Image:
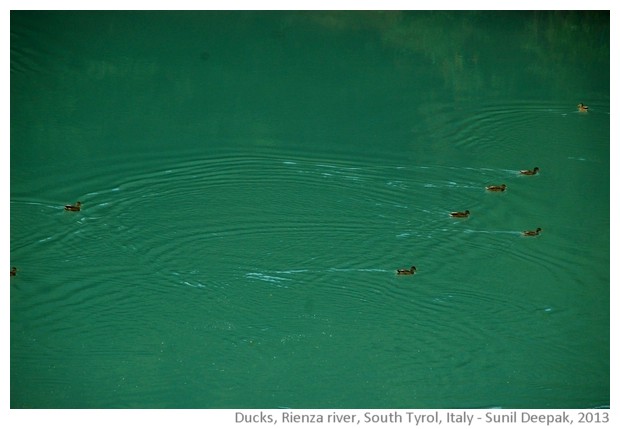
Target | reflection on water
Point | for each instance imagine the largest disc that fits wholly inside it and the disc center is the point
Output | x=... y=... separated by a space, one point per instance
x=251 y=181
x=480 y=52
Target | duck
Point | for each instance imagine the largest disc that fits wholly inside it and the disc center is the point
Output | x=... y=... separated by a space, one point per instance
x=405 y=271
x=13 y=271
x=460 y=214
x=73 y=207
x=532 y=233
x=582 y=107
x=497 y=188
x=530 y=172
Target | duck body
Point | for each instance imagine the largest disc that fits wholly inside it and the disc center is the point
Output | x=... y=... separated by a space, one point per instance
x=406 y=272
x=13 y=271
x=73 y=207
x=532 y=233
x=530 y=172
x=496 y=188
x=460 y=214
x=582 y=107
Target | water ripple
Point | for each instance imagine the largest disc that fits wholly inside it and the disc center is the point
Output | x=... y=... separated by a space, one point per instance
x=205 y=245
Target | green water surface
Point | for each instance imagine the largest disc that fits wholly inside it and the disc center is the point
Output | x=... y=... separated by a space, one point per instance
x=252 y=180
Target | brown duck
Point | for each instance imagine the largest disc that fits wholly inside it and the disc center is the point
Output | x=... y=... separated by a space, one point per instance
x=530 y=172
x=73 y=207
x=406 y=272
x=496 y=188
x=532 y=233
x=460 y=214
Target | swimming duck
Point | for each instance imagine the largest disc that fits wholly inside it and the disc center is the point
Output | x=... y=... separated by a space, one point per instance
x=460 y=214
x=13 y=271
x=532 y=233
x=496 y=188
x=405 y=271
x=530 y=172
x=582 y=107
x=73 y=208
